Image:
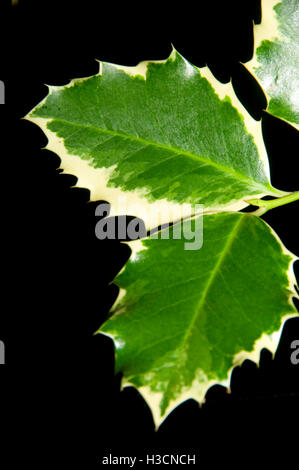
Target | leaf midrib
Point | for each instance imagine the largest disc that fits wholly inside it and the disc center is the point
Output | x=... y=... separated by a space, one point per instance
x=217 y=165
x=211 y=279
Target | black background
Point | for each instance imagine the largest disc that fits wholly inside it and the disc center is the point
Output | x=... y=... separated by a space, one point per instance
x=60 y=402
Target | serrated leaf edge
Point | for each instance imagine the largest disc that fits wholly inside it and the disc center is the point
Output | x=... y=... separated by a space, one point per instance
x=268 y=30
x=197 y=391
x=136 y=202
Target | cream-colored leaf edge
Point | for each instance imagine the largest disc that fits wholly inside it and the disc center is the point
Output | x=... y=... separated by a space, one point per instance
x=268 y=29
x=136 y=202
x=202 y=384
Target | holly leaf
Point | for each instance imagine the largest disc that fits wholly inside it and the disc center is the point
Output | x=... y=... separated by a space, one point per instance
x=185 y=318
x=276 y=57
x=161 y=135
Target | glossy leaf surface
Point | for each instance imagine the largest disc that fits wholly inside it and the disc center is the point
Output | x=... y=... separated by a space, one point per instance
x=161 y=134
x=275 y=63
x=184 y=318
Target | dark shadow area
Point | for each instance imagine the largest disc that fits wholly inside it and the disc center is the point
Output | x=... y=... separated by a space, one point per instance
x=60 y=398
x=249 y=92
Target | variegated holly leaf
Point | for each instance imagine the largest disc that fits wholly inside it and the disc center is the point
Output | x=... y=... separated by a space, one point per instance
x=162 y=136
x=275 y=62
x=185 y=318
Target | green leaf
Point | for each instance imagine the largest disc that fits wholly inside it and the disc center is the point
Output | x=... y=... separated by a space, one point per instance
x=276 y=58
x=185 y=318
x=162 y=134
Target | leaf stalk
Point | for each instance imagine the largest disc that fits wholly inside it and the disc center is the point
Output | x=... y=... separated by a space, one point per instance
x=265 y=206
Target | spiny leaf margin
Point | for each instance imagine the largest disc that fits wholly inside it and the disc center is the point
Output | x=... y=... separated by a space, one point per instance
x=107 y=178
x=276 y=57
x=133 y=314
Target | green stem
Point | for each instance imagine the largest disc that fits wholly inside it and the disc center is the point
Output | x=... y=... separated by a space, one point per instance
x=265 y=206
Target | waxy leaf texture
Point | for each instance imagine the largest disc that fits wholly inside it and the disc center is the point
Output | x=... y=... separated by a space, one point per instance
x=185 y=318
x=276 y=58
x=161 y=134
x=165 y=136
